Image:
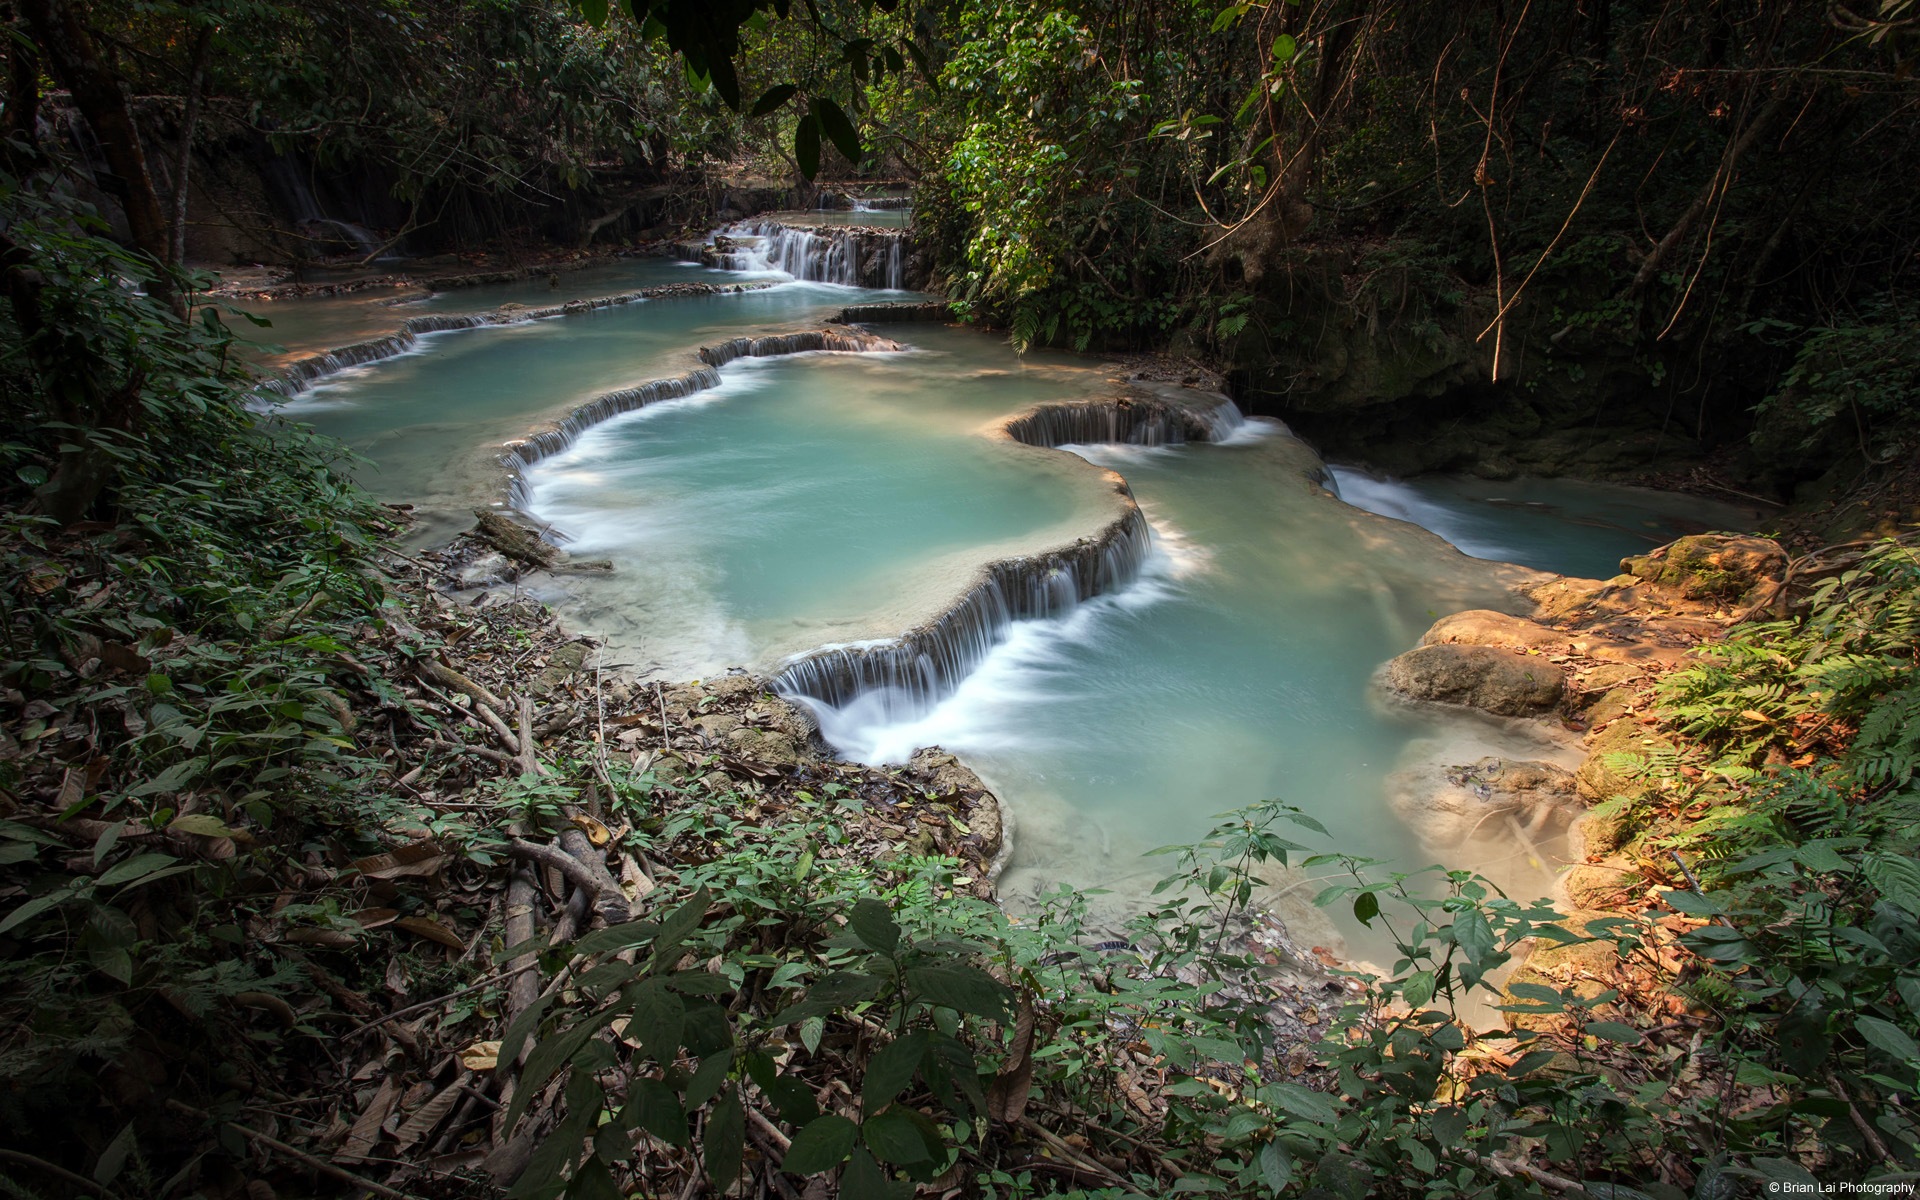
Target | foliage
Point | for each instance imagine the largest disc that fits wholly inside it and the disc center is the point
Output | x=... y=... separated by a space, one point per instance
x=172 y=689
x=1850 y=388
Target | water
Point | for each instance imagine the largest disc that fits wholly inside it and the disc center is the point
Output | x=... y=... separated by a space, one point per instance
x=308 y=325
x=841 y=499
x=431 y=422
x=1559 y=525
x=810 y=501
x=870 y=218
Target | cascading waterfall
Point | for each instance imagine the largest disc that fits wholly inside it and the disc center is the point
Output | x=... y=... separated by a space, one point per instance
x=905 y=677
x=545 y=443
x=848 y=255
x=896 y=264
x=881 y=203
x=909 y=674
x=819 y=256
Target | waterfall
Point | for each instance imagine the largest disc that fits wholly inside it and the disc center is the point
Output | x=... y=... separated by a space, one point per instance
x=911 y=673
x=906 y=676
x=820 y=256
x=897 y=264
x=881 y=203
x=547 y=442
x=848 y=255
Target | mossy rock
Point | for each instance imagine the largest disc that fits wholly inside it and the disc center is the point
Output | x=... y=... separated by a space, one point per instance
x=1615 y=703
x=562 y=665
x=1711 y=566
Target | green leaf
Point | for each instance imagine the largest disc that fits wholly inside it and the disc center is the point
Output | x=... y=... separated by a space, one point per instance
x=1276 y=1166
x=773 y=98
x=863 y=1180
x=839 y=130
x=1418 y=989
x=1284 y=48
x=806 y=145
x=726 y=1140
x=1683 y=900
x=873 y=924
x=895 y=1137
x=592 y=1181
x=1305 y=1103
x=652 y=1106
x=1898 y=878
x=889 y=1071
x=1366 y=906
x=615 y=938
x=35 y=907
x=1888 y=1037
x=823 y=1145
x=660 y=1018
x=595 y=11
x=1449 y=1126
x=133 y=868
x=964 y=989
x=1614 y=1031
x=707 y=1080
x=200 y=824
x=107 y=1168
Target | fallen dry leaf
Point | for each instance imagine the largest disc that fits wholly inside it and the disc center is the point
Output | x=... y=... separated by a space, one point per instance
x=432 y=930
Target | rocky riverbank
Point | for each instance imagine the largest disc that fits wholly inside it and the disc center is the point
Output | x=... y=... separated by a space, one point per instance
x=1584 y=664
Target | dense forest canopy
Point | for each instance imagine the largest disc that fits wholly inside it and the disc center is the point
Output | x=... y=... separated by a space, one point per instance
x=1611 y=238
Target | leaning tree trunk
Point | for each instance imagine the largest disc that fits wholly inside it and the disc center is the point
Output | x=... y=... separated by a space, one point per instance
x=183 y=157
x=101 y=96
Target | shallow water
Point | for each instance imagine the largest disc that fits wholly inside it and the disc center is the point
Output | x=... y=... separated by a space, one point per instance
x=432 y=421
x=875 y=218
x=309 y=325
x=818 y=499
x=1559 y=525
x=837 y=498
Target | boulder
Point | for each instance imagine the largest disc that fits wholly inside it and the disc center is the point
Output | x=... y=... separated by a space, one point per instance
x=1490 y=678
x=946 y=777
x=1711 y=566
x=1483 y=627
x=767 y=746
x=1446 y=805
x=1614 y=703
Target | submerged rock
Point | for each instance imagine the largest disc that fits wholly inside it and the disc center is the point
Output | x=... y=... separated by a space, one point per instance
x=1504 y=682
x=1447 y=805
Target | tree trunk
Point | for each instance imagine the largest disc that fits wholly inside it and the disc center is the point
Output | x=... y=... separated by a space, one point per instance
x=183 y=161
x=84 y=468
x=1728 y=162
x=101 y=96
x=22 y=118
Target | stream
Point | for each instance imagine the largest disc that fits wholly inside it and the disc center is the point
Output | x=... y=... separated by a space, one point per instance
x=840 y=499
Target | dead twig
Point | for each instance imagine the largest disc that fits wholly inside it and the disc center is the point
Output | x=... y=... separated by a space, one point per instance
x=276 y=1146
x=58 y=1172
